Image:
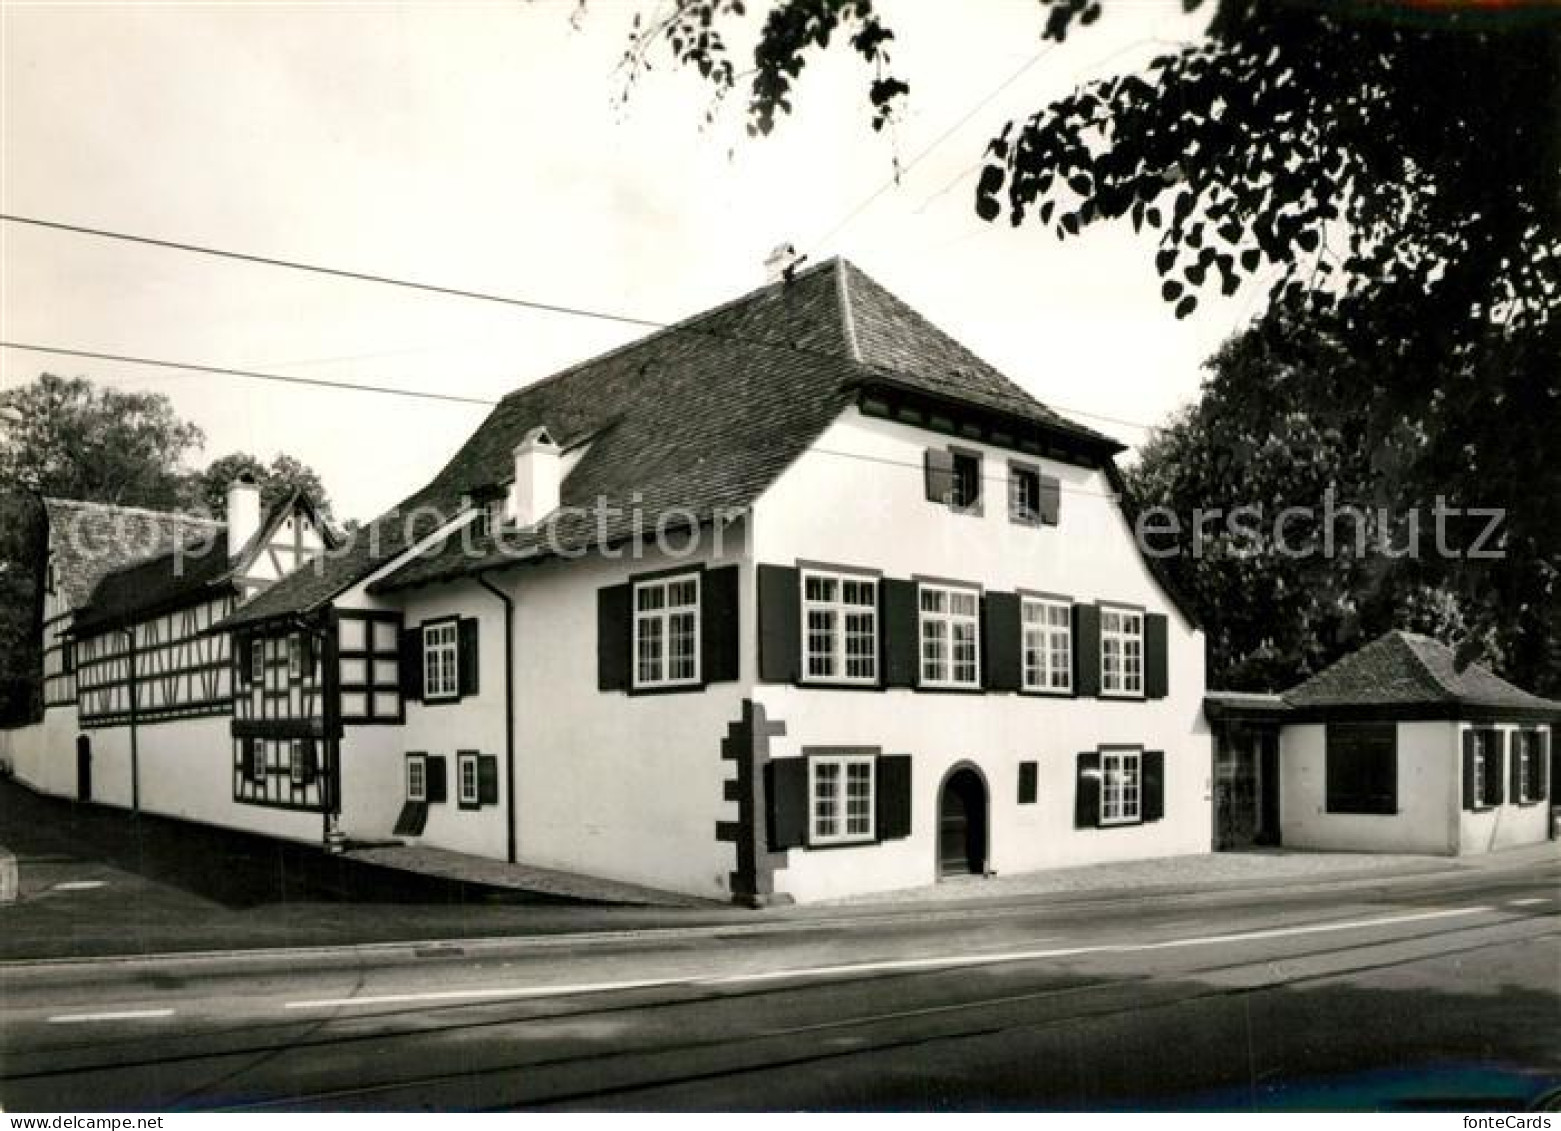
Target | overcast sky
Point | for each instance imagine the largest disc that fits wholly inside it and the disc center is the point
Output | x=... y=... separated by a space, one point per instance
x=481 y=146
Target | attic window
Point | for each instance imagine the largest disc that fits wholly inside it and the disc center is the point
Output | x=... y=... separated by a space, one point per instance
x=487 y=516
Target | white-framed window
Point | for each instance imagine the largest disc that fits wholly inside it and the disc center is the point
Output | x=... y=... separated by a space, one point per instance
x=666 y=631
x=1048 y=644
x=257 y=661
x=466 y=780
x=442 y=660
x=417 y=777
x=1121 y=651
x=841 y=802
x=950 y=636
x=1121 y=787
x=1483 y=745
x=840 y=627
x=295 y=657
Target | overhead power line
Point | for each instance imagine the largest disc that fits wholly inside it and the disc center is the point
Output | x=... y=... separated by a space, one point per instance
x=392 y=281
x=226 y=371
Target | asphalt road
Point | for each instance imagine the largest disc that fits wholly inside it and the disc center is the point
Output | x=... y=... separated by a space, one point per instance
x=1440 y=993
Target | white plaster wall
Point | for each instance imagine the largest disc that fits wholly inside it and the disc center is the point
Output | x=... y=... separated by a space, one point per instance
x=857 y=498
x=1507 y=825
x=43 y=755
x=607 y=783
x=1428 y=794
x=475 y=722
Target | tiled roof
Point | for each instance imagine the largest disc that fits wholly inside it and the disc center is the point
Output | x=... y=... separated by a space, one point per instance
x=1402 y=669
x=91 y=540
x=698 y=418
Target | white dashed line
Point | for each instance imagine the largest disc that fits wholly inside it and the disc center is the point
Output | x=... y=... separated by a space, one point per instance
x=120 y=1015
x=1529 y=902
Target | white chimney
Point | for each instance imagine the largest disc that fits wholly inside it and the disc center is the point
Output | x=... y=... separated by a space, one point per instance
x=243 y=512
x=781 y=262
x=539 y=476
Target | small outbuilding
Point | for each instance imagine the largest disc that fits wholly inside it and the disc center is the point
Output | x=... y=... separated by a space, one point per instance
x=1394 y=748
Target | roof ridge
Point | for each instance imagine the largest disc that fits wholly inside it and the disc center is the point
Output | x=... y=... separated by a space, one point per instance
x=847 y=310
x=1403 y=638
x=183 y=516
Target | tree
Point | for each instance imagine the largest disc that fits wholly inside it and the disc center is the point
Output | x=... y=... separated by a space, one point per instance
x=67 y=437
x=1332 y=149
x=208 y=489
x=1284 y=592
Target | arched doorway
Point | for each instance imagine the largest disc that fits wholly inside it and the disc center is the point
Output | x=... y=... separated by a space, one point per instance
x=962 y=812
x=83 y=768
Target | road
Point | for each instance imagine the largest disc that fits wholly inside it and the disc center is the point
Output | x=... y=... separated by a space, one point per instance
x=1439 y=992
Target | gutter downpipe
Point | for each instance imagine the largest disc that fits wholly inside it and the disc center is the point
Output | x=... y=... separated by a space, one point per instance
x=135 y=753
x=509 y=710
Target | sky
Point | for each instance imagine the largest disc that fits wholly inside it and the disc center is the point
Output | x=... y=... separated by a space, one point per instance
x=486 y=147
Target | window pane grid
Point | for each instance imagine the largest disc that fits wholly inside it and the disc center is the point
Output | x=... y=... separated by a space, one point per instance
x=840 y=618
x=1120 y=787
x=440 y=678
x=1048 y=645
x=1121 y=652
x=666 y=632
x=950 y=637
x=842 y=798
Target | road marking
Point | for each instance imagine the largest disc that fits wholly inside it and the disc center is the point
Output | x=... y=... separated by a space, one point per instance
x=902 y=964
x=118 y=1015
x=500 y=993
x=1529 y=902
x=77 y=885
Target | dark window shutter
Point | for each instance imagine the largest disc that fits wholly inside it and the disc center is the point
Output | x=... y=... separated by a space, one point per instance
x=411 y=663
x=1543 y=773
x=246 y=654
x=487 y=779
x=311 y=757
x=1001 y=641
x=786 y=794
x=1153 y=801
x=938 y=465
x=614 y=631
x=1469 y=753
x=1086 y=797
x=1515 y=739
x=438 y=787
x=1028 y=783
x=1086 y=650
x=1157 y=673
x=1051 y=500
x=1495 y=769
x=248 y=757
x=899 y=632
x=467 y=668
x=780 y=624
x=718 y=625
x=893 y=797
x=306 y=653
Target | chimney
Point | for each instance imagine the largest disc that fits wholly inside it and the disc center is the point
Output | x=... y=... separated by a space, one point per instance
x=781 y=263
x=539 y=476
x=243 y=511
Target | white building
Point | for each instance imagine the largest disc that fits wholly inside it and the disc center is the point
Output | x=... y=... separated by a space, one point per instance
x=795 y=599
x=1394 y=748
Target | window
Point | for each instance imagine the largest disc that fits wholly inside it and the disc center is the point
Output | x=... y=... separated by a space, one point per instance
x=1121 y=651
x=1048 y=644
x=1024 y=494
x=950 y=632
x=965 y=492
x=666 y=632
x=255 y=759
x=1121 y=787
x=417 y=777
x=468 y=790
x=841 y=791
x=295 y=762
x=486 y=516
x=441 y=660
x=840 y=627
x=1361 y=772
x=295 y=657
x=1029 y=787
x=257 y=662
